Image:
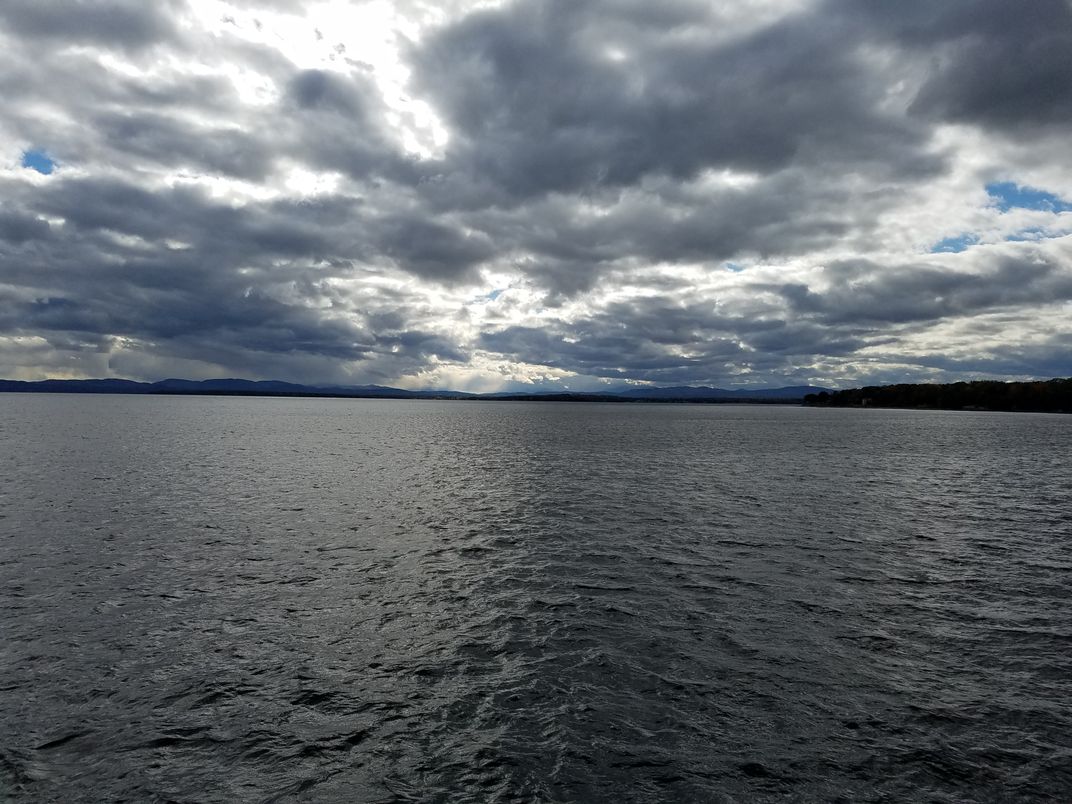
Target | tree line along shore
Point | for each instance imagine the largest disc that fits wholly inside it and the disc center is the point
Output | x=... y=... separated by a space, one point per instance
x=1042 y=396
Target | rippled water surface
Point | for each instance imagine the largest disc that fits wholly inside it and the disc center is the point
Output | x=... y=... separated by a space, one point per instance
x=230 y=600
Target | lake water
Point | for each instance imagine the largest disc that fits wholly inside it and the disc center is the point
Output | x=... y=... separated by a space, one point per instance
x=231 y=600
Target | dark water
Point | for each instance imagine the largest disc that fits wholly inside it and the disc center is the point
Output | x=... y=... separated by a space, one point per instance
x=231 y=600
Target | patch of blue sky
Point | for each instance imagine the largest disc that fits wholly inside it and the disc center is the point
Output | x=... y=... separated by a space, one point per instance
x=954 y=245
x=36 y=159
x=1008 y=195
x=493 y=295
x=732 y=266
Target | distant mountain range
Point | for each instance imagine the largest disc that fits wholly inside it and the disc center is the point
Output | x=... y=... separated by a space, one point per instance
x=237 y=387
x=793 y=392
x=230 y=387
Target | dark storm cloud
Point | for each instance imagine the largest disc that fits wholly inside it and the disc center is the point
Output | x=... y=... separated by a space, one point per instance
x=320 y=90
x=1049 y=358
x=600 y=353
x=865 y=293
x=17 y=227
x=544 y=120
x=1031 y=87
x=78 y=83
x=96 y=207
x=87 y=115
x=129 y=24
x=649 y=339
x=418 y=346
x=338 y=122
x=776 y=216
x=217 y=151
x=245 y=283
x=854 y=305
x=431 y=249
x=173 y=296
x=569 y=248
x=540 y=105
x=995 y=63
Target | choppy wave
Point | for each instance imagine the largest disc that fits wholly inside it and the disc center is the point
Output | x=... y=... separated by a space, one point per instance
x=326 y=600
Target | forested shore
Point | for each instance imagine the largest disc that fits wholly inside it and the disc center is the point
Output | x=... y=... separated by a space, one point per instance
x=1048 y=396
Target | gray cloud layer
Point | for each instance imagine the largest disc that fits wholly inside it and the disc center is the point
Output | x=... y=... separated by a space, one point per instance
x=552 y=192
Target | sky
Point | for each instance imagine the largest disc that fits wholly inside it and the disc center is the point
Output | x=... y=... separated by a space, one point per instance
x=529 y=195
